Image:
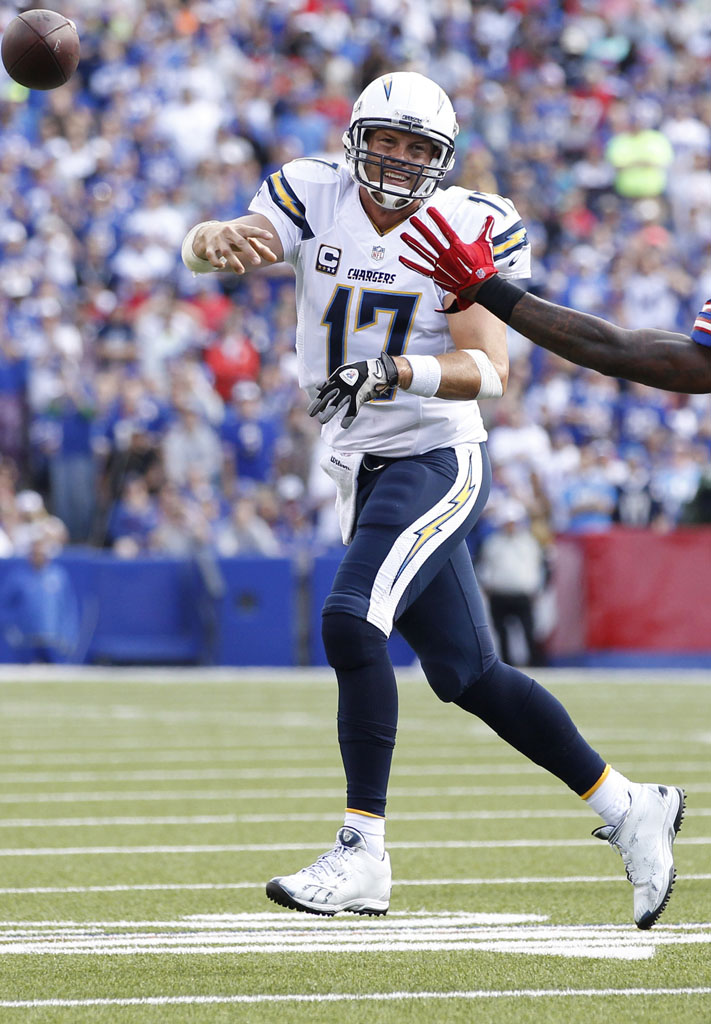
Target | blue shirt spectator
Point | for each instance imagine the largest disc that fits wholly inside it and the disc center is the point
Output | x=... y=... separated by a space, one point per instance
x=250 y=436
x=39 y=608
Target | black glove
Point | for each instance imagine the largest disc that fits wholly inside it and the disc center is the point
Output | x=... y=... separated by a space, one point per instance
x=351 y=385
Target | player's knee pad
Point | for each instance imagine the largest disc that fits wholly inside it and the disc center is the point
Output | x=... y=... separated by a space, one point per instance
x=351 y=642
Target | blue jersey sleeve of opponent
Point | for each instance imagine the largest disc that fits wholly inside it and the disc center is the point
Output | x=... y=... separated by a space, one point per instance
x=701 y=332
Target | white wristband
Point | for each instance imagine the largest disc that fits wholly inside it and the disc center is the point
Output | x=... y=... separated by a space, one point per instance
x=491 y=386
x=191 y=261
x=426 y=376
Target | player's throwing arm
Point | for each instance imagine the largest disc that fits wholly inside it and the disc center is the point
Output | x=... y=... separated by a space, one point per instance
x=240 y=245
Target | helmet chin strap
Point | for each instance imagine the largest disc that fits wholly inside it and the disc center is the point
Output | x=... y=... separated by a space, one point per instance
x=390 y=202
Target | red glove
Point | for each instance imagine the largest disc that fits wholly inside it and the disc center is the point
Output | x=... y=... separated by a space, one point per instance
x=456 y=266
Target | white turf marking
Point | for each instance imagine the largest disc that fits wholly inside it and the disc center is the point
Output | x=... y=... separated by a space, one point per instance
x=261 y=774
x=333 y=997
x=474 y=743
x=43 y=719
x=279 y=934
x=278 y=921
x=455 y=844
x=422 y=882
x=273 y=819
x=155 y=756
x=19 y=754
x=201 y=795
x=281 y=774
x=135 y=796
x=260 y=819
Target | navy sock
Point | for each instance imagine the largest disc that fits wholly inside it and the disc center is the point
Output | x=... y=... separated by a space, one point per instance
x=533 y=721
x=367 y=707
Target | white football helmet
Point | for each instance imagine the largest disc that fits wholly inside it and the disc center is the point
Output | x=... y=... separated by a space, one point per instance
x=405 y=101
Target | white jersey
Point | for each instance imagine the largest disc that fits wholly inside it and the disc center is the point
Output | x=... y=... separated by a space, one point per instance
x=354 y=298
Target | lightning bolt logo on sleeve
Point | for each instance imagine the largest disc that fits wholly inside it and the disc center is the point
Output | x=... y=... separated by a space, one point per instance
x=510 y=241
x=286 y=199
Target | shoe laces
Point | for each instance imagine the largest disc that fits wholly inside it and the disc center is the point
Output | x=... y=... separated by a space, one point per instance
x=627 y=860
x=608 y=833
x=329 y=864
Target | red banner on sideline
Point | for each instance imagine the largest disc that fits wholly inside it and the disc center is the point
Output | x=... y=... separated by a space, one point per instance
x=636 y=589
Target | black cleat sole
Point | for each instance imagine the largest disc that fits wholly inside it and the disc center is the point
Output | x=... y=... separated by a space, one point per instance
x=278 y=895
x=680 y=813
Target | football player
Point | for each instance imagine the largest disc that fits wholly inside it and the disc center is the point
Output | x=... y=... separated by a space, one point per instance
x=395 y=385
x=661 y=359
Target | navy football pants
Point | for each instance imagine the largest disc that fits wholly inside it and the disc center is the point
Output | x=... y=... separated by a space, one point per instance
x=408 y=565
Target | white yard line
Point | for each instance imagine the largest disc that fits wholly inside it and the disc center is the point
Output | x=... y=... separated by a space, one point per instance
x=335 y=793
x=397 y=920
x=278 y=819
x=152 y=755
x=135 y=796
x=279 y=934
x=455 y=844
x=278 y=921
x=291 y=772
x=18 y=756
x=266 y=819
x=120 y=749
x=263 y=774
x=360 y=997
x=60 y=890
x=42 y=717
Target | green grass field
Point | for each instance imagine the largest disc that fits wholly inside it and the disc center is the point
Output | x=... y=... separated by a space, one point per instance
x=142 y=813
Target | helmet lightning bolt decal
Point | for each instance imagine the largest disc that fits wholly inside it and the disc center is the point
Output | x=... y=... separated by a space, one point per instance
x=387 y=85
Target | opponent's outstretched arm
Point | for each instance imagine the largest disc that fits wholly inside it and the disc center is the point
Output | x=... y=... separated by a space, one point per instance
x=662 y=359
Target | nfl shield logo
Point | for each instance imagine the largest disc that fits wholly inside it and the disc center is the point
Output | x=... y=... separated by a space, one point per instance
x=378 y=253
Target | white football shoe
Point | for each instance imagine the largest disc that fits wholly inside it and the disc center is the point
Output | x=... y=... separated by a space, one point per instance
x=345 y=878
x=645 y=838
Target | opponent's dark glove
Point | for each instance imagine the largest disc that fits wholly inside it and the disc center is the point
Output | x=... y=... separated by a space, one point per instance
x=456 y=266
x=351 y=385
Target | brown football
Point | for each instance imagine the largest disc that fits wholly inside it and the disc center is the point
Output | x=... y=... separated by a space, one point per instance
x=40 y=49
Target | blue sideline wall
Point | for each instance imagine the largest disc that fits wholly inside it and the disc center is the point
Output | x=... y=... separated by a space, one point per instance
x=165 y=611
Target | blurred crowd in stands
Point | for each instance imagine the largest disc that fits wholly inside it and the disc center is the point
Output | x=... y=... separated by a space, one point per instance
x=148 y=410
